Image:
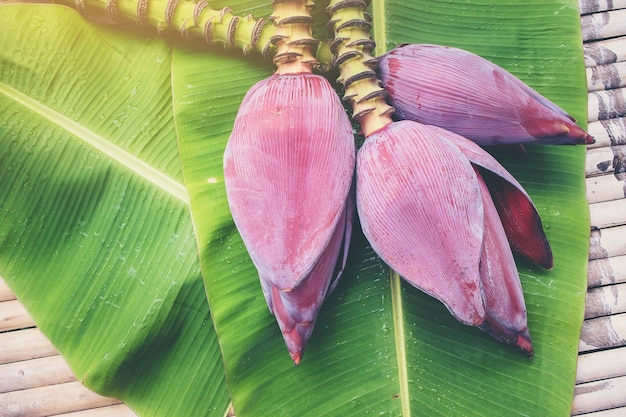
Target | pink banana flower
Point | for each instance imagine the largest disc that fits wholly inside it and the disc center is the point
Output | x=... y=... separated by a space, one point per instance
x=469 y=95
x=419 y=206
x=288 y=168
x=512 y=224
x=426 y=210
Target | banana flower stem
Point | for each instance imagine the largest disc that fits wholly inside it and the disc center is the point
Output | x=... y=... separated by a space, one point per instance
x=294 y=41
x=195 y=21
x=352 y=47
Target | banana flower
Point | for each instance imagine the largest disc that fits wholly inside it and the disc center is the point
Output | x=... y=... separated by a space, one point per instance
x=426 y=210
x=288 y=169
x=469 y=95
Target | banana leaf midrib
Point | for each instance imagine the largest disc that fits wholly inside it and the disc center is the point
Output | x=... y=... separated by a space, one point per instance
x=379 y=35
x=101 y=144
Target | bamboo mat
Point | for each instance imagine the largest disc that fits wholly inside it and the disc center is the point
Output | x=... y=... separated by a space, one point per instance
x=601 y=378
x=35 y=381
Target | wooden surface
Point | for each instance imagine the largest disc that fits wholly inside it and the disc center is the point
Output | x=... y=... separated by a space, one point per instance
x=601 y=377
x=35 y=381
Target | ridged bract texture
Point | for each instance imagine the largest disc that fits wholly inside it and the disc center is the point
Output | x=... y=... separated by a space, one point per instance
x=419 y=203
x=504 y=300
x=518 y=214
x=288 y=167
x=469 y=95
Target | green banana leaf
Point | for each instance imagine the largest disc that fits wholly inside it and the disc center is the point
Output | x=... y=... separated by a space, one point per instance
x=380 y=346
x=95 y=233
x=97 y=240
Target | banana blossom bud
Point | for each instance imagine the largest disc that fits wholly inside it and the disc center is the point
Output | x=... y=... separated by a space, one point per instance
x=288 y=168
x=469 y=95
x=418 y=206
x=512 y=224
x=426 y=210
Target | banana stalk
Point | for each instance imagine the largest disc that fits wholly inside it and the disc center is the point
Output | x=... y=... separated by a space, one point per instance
x=352 y=48
x=192 y=20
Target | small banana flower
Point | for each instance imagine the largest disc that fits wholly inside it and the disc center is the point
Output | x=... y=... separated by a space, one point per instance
x=469 y=95
x=288 y=168
x=512 y=224
x=423 y=201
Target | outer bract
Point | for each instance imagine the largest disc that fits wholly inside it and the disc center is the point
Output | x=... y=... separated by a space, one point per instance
x=466 y=94
x=504 y=300
x=419 y=203
x=288 y=168
x=296 y=310
x=518 y=214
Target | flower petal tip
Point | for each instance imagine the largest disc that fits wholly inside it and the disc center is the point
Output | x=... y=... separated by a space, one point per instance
x=524 y=343
x=296 y=358
x=520 y=338
x=295 y=345
x=548 y=261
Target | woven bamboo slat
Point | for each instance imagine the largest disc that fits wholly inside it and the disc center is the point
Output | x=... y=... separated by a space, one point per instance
x=614 y=412
x=118 y=410
x=606 y=104
x=607 y=214
x=13 y=315
x=34 y=373
x=50 y=400
x=35 y=381
x=603 y=333
x=605 y=51
x=610 y=132
x=601 y=365
x=23 y=345
x=603 y=25
x=5 y=292
x=596 y=395
x=595 y=6
x=599 y=161
x=607 y=243
x=605 y=301
x=606 y=271
x=608 y=76
x=604 y=188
